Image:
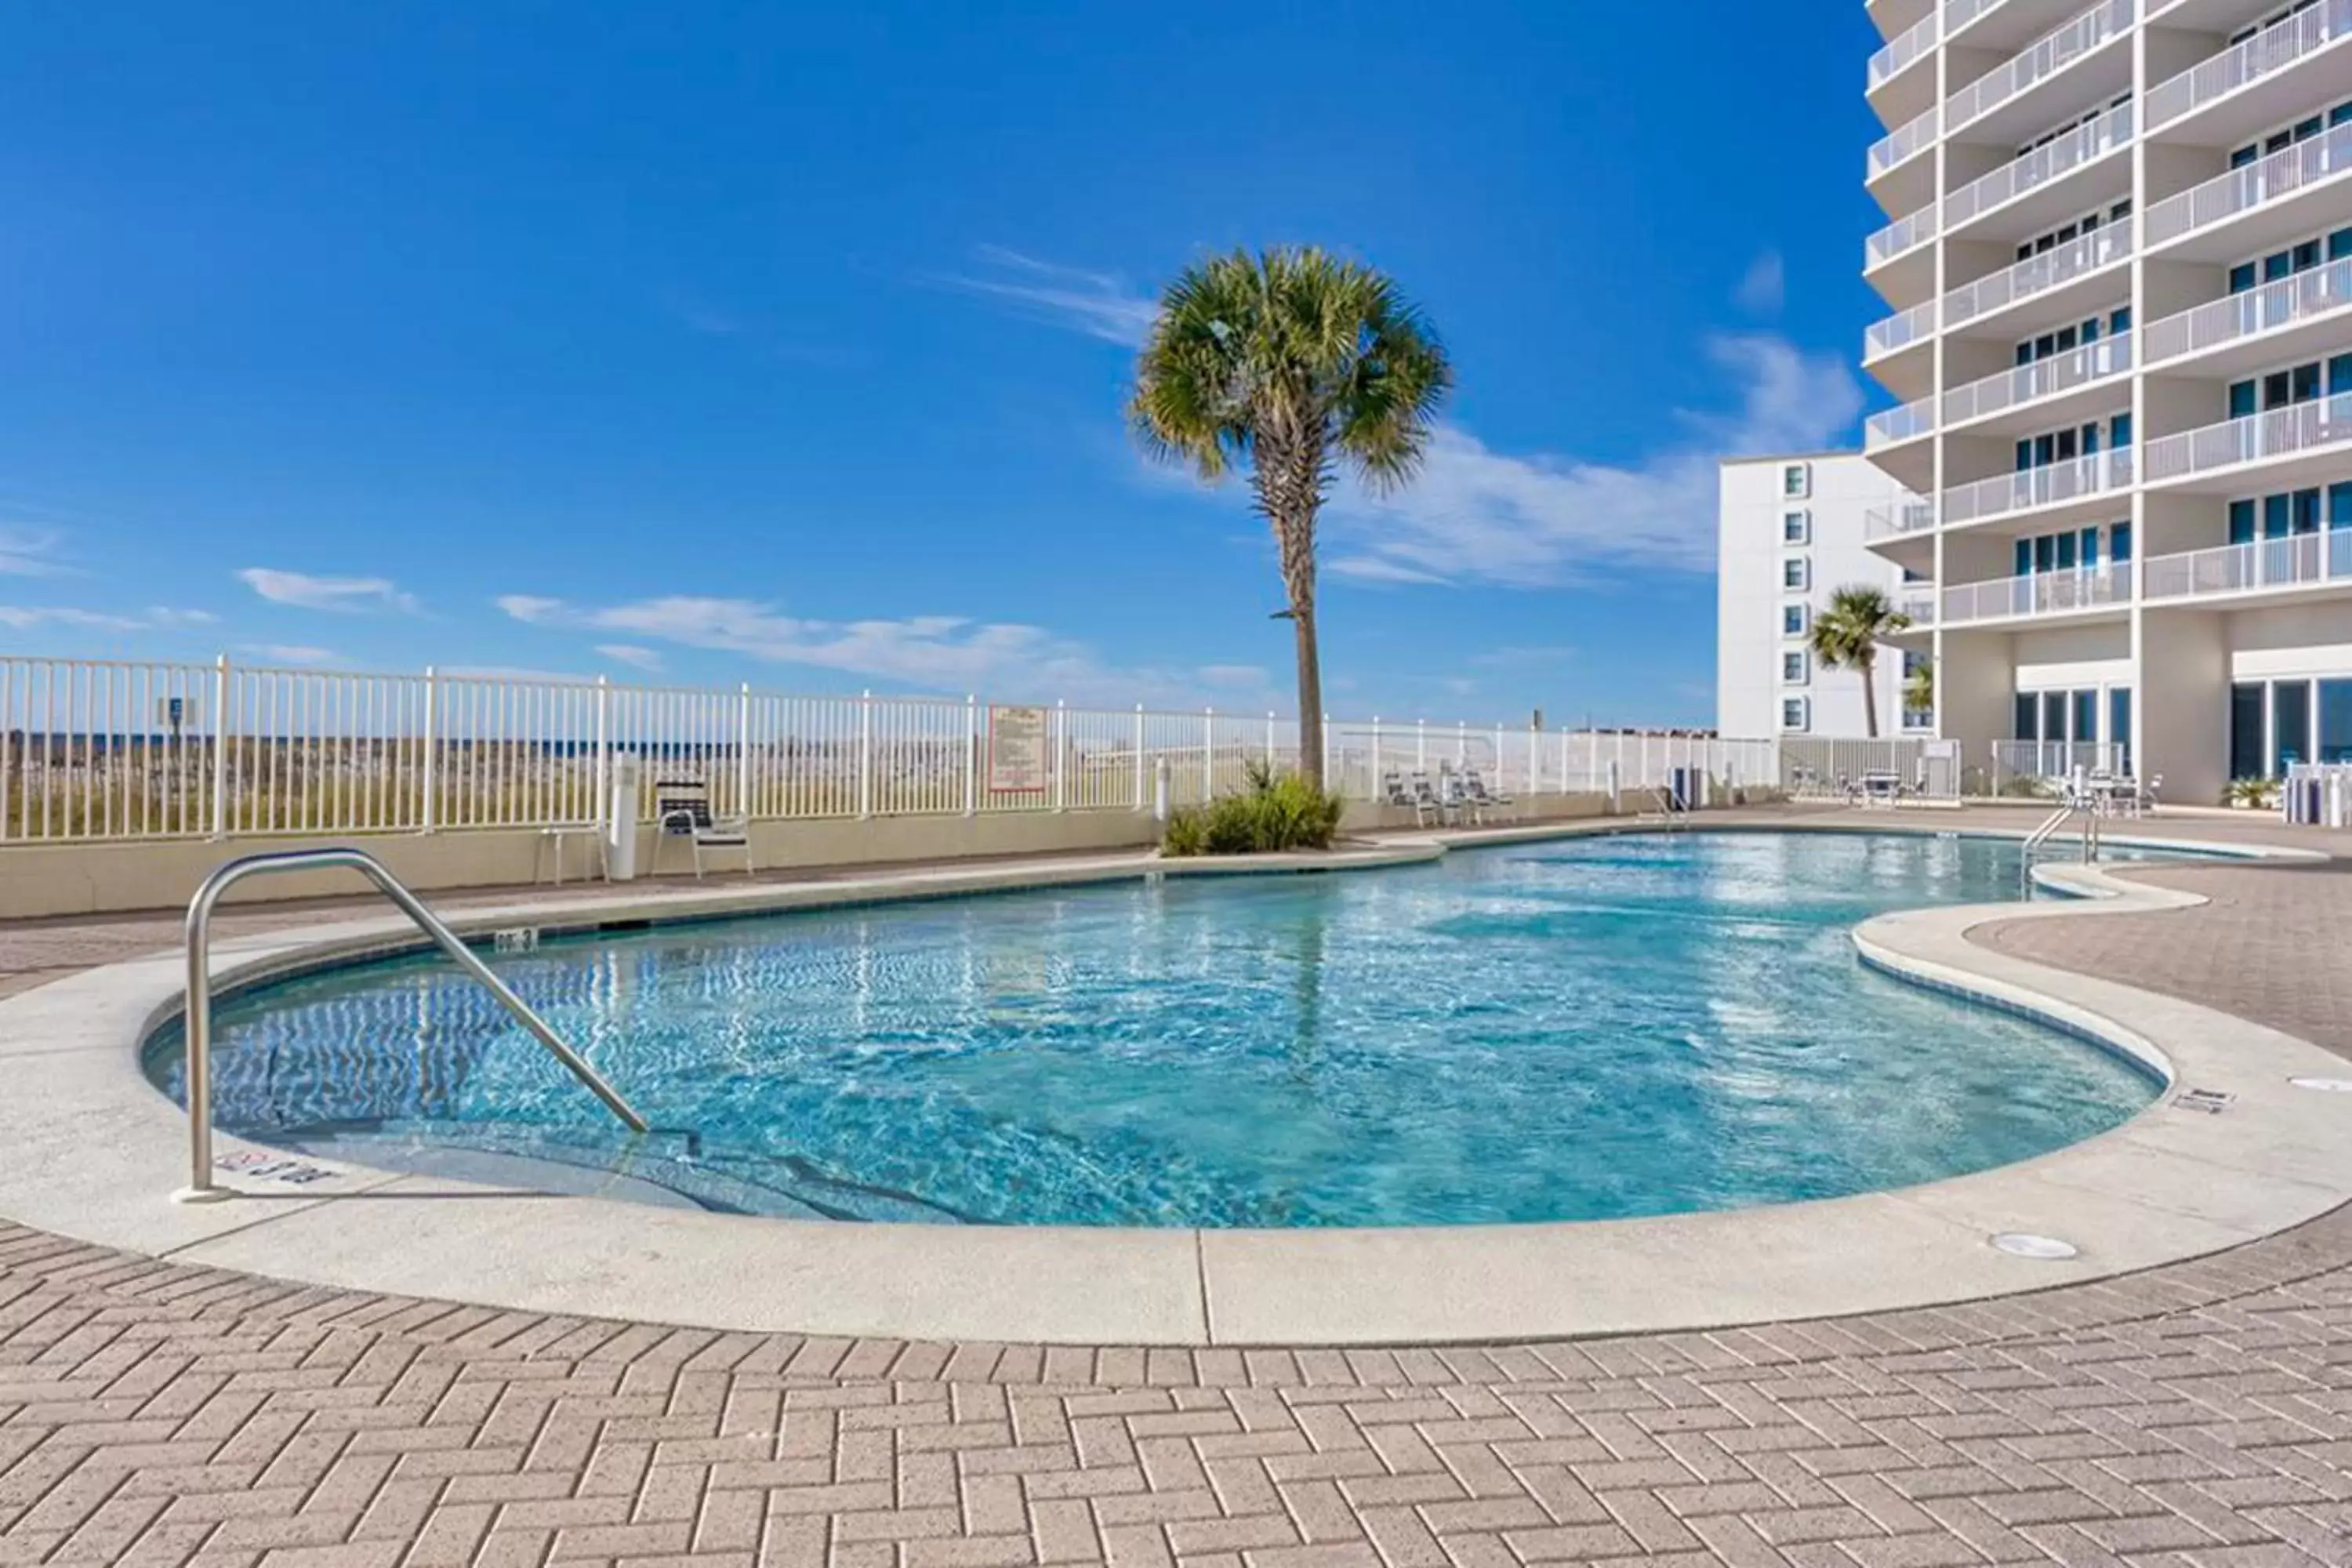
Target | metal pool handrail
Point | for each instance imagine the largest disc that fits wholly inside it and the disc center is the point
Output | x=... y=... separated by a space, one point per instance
x=201 y=1188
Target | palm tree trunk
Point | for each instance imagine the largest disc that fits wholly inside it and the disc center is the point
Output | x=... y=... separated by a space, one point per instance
x=1311 y=692
x=1870 y=695
x=1288 y=475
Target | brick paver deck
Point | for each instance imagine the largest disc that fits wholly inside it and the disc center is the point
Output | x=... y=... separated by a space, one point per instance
x=2199 y=1416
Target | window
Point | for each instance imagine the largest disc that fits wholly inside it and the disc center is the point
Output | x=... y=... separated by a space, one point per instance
x=2119 y=542
x=2119 y=721
x=2290 y=725
x=2025 y=717
x=2335 y=720
x=1794 y=667
x=1914 y=662
x=1796 y=574
x=1796 y=528
x=2087 y=715
x=1796 y=713
x=2246 y=730
x=2079 y=229
x=1797 y=482
x=2294 y=512
x=2279 y=140
x=1794 y=619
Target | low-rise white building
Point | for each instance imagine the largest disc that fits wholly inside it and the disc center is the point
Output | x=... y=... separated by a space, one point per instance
x=1791 y=531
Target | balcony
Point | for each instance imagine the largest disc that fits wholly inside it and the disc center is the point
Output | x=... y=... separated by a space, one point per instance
x=2040 y=274
x=2003 y=495
x=1915 y=602
x=2042 y=60
x=2043 y=593
x=1904 y=424
x=1911 y=514
x=1898 y=146
x=1898 y=331
x=2275 y=307
x=2258 y=185
x=2085 y=366
x=1903 y=234
x=2272 y=49
x=2321 y=424
x=2039 y=167
x=1889 y=62
x=2295 y=562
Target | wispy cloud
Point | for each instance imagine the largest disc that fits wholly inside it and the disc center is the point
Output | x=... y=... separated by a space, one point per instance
x=1477 y=515
x=29 y=553
x=1523 y=658
x=1764 y=288
x=630 y=653
x=940 y=653
x=27 y=617
x=290 y=653
x=1100 y=304
x=343 y=595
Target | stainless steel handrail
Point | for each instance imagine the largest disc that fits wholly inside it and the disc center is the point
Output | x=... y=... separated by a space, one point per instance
x=201 y=1187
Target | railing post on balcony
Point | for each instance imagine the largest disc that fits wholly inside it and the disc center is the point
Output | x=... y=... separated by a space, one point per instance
x=1139 y=756
x=220 y=748
x=743 y=750
x=972 y=752
x=1061 y=749
x=865 y=755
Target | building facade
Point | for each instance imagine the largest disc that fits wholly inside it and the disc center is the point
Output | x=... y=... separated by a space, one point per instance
x=2118 y=272
x=1791 y=532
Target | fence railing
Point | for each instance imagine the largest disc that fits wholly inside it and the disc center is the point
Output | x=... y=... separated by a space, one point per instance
x=2300 y=298
x=1821 y=767
x=2291 y=561
x=2053 y=484
x=2275 y=47
x=1915 y=42
x=2269 y=179
x=2038 y=274
x=98 y=751
x=2274 y=433
x=2043 y=58
x=1899 y=144
x=2095 y=138
x=2039 y=593
x=2100 y=361
x=2037 y=767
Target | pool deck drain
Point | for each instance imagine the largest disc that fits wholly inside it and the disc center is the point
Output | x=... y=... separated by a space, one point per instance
x=2198 y=1415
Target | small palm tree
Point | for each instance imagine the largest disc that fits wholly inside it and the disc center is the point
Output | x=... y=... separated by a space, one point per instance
x=1293 y=361
x=1846 y=636
x=1919 y=690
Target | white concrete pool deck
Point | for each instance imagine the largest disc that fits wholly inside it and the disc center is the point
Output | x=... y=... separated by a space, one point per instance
x=96 y=1149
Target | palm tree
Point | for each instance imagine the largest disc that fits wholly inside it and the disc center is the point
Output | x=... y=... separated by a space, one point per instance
x=1846 y=636
x=1919 y=690
x=1294 y=363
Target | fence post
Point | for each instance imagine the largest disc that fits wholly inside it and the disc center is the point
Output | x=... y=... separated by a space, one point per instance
x=1208 y=755
x=601 y=803
x=1139 y=756
x=1326 y=753
x=1269 y=740
x=429 y=812
x=1535 y=760
x=1421 y=744
x=1061 y=761
x=865 y=755
x=743 y=752
x=1502 y=774
x=1379 y=787
x=220 y=747
x=1461 y=743
x=970 y=753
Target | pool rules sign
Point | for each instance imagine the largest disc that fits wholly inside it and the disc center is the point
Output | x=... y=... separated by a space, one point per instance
x=1016 y=750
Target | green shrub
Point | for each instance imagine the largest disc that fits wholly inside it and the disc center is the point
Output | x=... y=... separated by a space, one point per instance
x=2258 y=794
x=1274 y=813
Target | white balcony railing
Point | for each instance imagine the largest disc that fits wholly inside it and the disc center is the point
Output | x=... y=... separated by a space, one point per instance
x=1898 y=424
x=2262 y=564
x=2033 y=488
x=2241 y=190
x=2035 y=275
x=2273 y=48
x=1958 y=13
x=2301 y=298
x=2043 y=593
x=2039 y=167
x=2041 y=59
x=1900 y=143
x=1910 y=514
x=2281 y=432
x=1899 y=331
x=1913 y=42
x=1915 y=602
x=1900 y=235
x=2044 y=378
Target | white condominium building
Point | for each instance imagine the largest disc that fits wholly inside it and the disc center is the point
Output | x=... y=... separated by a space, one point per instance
x=1790 y=534
x=2118 y=267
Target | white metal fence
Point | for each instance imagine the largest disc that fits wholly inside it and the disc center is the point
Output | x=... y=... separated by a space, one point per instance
x=2037 y=768
x=97 y=750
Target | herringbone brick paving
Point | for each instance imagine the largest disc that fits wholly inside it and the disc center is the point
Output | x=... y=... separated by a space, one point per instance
x=2197 y=1417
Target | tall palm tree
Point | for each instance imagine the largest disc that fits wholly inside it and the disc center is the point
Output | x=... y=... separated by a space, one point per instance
x=1846 y=636
x=1294 y=363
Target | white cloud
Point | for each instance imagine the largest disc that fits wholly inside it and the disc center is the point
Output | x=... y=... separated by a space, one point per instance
x=940 y=652
x=629 y=653
x=28 y=617
x=1477 y=515
x=1100 y=304
x=1251 y=676
x=1764 y=288
x=347 y=595
x=290 y=653
x=25 y=554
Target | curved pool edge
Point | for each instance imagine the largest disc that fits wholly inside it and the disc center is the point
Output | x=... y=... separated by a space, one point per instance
x=98 y=1149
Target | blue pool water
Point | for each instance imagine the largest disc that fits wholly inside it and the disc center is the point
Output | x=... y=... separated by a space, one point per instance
x=1580 y=1029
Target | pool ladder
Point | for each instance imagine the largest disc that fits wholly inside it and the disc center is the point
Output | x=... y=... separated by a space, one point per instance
x=201 y=1187
x=2086 y=807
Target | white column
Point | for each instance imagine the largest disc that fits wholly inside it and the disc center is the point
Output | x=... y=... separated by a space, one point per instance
x=432 y=769
x=1139 y=757
x=971 y=754
x=865 y=753
x=221 y=742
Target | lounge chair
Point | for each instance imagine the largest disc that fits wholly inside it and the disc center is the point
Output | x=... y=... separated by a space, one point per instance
x=1454 y=790
x=1395 y=792
x=1473 y=784
x=1429 y=802
x=682 y=810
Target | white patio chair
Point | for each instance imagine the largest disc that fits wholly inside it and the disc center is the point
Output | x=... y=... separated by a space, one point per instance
x=682 y=810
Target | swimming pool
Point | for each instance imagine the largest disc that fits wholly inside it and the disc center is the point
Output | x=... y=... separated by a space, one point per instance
x=1593 y=1028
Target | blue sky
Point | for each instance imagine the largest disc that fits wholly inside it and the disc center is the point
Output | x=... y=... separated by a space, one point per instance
x=787 y=344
